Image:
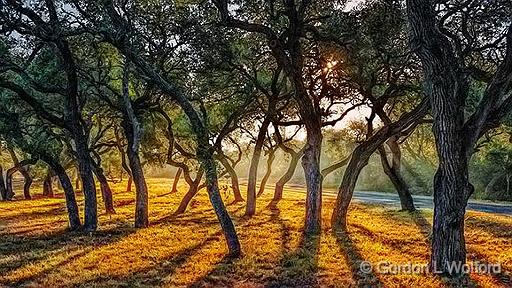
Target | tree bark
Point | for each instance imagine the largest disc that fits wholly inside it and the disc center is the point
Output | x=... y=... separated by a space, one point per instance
x=176 y=180
x=3 y=190
x=129 y=184
x=24 y=172
x=270 y=161
x=192 y=191
x=106 y=192
x=393 y=173
x=69 y=194
x=250 y=207
x=232 y=174
x=48 y=185
x=361 y=155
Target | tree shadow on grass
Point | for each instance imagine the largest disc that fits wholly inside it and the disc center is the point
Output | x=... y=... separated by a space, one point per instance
x=28 y=250
x=354 y=258
x=159 y=273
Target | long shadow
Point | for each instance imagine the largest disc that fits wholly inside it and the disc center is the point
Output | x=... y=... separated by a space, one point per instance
x=31 y=249
x=503 y=277
x=298 y=268
x=354 y=258
x=159 y=273
x=36 y=214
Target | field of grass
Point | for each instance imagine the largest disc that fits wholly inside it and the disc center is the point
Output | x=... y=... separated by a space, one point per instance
x=188 y=250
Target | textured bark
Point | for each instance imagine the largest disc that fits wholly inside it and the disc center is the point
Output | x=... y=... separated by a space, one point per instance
x=176 y=180
x=250 y=207
x=106 y=192
x=268 y=172
x=204 y=152
x=48 y=185
x=394 y=175
x=447 y=87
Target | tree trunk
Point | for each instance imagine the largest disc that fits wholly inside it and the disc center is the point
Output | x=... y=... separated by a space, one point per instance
x=27 y=183
x=311 y=166
x=106 y=192
x=129 y=184
x=270 y=161
x=48 y=185
x=88 y=186
x=8 y=184
x=278 y=191
x=192 y=191
x=3 y=190
x=250 y=207
x=232 y=174
x=214 y=194
x=176 y=180
x=358 y=160
x=67 y=186
x=393 y=173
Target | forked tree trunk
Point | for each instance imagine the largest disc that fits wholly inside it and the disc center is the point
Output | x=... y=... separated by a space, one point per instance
x=48 y=186
x=287 y=176
x=270 y=161
x=176 y=180
x=192 y=191
x=250 y=207
x=106 y=192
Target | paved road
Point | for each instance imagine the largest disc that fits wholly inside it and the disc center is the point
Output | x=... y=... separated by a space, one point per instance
x=374 y=197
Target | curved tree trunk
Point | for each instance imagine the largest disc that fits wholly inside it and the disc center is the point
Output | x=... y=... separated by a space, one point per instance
x=176 y=180
x=250 y=207
x=69 y=194
x=278 y=190
x=24 y=172
x=48 y=185
x=192 y=191
x=270 y=161
x=106 y=192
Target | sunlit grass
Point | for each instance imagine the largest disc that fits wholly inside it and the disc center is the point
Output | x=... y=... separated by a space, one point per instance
x=188 y=250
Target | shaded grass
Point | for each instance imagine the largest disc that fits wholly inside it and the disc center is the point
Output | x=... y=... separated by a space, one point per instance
x=188 y=249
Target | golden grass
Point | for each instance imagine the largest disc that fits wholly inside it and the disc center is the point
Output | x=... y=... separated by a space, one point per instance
x=188 y=250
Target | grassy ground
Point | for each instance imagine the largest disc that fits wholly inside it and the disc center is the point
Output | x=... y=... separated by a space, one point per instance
x=187 y=250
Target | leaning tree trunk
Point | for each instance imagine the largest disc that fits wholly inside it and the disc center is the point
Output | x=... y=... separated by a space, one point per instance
x=106 y=192
x=48 y=185
x=69 y=194
x=270 y=161
x=212 y=187
x=192 y=191
x=176 y=180
x=393 y=173
x=278 y=190
x=358 y=160
x=250 y=207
